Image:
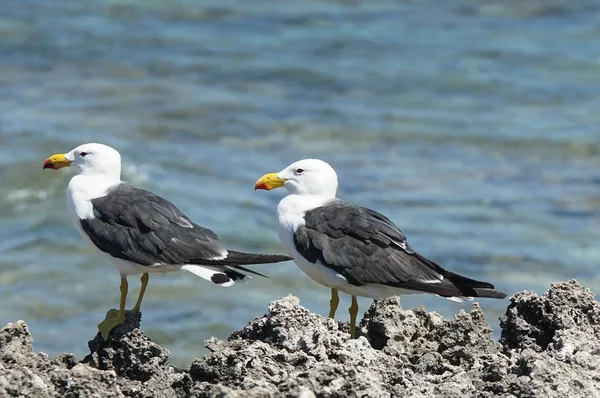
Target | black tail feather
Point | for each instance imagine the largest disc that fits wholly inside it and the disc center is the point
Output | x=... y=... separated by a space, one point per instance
x=248 y=270
x=239 y=258
x=233 y=275
x=489 y=293
x=235 y=259
x=463 y=280
x=456 y=285
x=473 y=288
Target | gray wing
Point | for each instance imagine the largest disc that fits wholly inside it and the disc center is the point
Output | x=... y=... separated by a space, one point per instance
x=366 y=247
x=136 y=225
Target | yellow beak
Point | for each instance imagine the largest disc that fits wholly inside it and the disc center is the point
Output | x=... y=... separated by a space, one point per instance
x=269 y=181
x=56 y=162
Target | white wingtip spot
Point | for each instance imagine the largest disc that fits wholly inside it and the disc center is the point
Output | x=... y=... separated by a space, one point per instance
x=221 y=256
x=455 y=299
x=184 y=223
x=439 y=280
x=458 y=299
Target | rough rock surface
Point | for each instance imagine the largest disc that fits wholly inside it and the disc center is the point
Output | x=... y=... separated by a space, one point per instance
x=549 y=347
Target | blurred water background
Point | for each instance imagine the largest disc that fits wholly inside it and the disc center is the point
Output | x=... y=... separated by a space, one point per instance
x=474 y=125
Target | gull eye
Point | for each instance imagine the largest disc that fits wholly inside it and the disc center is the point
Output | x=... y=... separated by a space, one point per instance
x=299 y=171
x=83 y=154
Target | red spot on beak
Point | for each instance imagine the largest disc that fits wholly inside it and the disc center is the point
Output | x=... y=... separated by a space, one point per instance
x=48 y=164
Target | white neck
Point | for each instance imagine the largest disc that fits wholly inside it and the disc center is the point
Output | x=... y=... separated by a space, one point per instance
x=83 y=188
x=300 y=204
x=290 y=216
x=113 y=174
x=291 y=209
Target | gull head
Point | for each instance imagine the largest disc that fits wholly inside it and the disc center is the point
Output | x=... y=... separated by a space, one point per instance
x=96 y=159
x=304 y=177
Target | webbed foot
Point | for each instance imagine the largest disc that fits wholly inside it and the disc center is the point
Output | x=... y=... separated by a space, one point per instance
x=113 y=319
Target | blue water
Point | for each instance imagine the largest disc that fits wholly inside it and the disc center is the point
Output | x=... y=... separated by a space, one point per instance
x=475 y=126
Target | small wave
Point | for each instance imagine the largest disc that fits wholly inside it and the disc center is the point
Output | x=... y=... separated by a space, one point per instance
x=17 y=195
x=135 y=174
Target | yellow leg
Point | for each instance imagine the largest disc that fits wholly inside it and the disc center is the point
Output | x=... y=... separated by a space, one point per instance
x=353 y=310
x=114 y=318
x=333 y=303
x=138 y=303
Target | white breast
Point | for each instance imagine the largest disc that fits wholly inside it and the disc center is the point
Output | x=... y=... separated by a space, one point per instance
x=290 y=216
x=82 y=189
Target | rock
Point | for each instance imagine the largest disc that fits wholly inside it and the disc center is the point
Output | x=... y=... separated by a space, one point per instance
x=141 y=366
x=16 y=345
x=562 y=317
x=549 y=347
x=23 y=373
x=555 y=341
x=278 y=352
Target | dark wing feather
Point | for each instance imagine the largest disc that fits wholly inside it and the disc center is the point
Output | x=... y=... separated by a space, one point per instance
x=366 y=247
x=136 y=225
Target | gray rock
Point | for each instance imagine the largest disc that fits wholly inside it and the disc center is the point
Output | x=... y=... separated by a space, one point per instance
x=23 y=373
x=549 y=347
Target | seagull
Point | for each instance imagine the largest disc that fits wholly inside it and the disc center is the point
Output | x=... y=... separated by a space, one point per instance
x=141 y=232
x=352 y=248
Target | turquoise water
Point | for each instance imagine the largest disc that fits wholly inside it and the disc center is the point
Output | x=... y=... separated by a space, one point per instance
x=473 y=125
